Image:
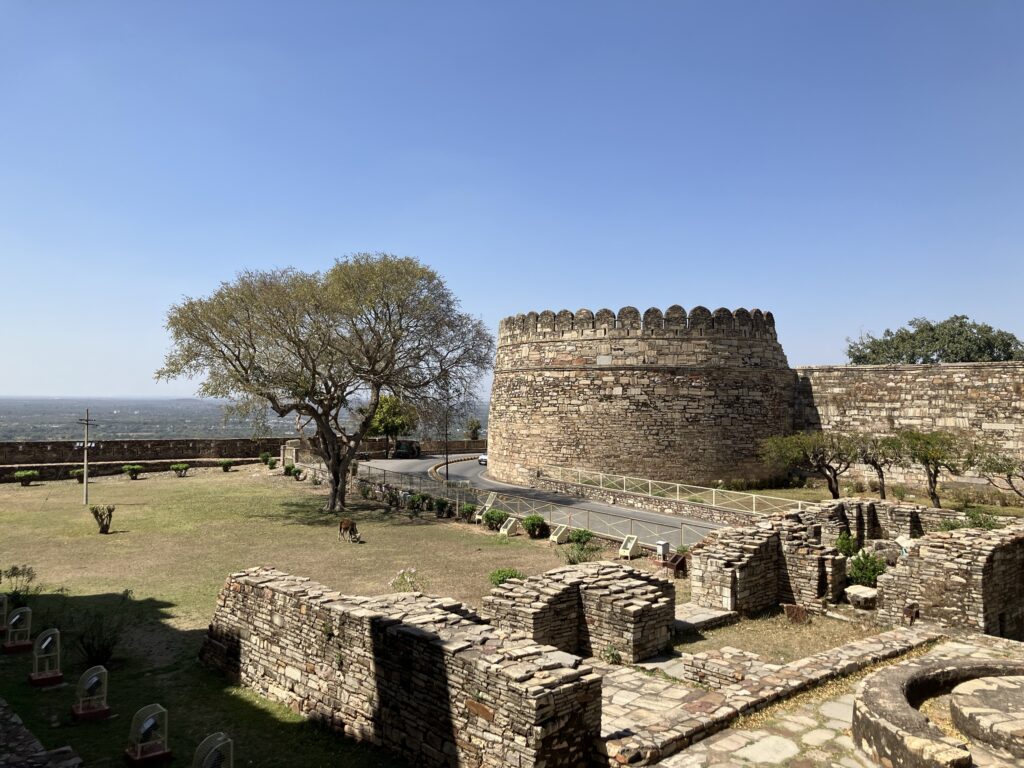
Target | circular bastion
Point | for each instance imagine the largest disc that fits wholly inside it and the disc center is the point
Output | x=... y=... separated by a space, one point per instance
x=684 y=397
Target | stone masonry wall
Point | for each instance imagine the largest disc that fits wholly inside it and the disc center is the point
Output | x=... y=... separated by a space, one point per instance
x=865 y=519
x=986 y=399
x=673 y=395
x=64 y=451
x=587 y=608
x=419 y=675
x=963 y=578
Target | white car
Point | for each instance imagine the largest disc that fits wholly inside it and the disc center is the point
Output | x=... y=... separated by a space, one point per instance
x=482 y=459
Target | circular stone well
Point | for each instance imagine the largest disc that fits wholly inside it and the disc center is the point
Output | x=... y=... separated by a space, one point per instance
x=990 y=711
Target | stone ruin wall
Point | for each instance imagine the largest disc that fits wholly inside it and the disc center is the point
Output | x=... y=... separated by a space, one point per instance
x=965 y=578
x=586 y=609
x=673 y=395
x=986 y=399
x=421 y=676
x=753 y=568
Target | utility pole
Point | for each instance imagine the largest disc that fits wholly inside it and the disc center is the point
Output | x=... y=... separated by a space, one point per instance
x=86 y=422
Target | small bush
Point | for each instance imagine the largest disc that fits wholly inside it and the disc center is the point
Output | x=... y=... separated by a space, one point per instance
x=580 y=536
x=859 y=487
x=271 y=463
x=683 y=549
x=495 y=518
x=316 y=478
x=865 y=568
x=873 y=486
x=26 y=476
x=18 y=582
x=298 y=474
x=978 y=519
x=611 y=654
x=536 y=526
x=501 y=575
x=133 y=470
x=846 y=544
x=103 y=516
x=180 y=469
x=406 y=581
x=97 y=633
x=466 y=512
x=899 y=492
x=226 y=464
x=288 y=469
x=78 y=474
x=441 y=506
x=364 y=490
x=575 y=553
x=264 y=457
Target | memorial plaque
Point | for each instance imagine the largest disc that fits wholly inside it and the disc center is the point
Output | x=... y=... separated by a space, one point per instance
x=510 y=527
x=91 y=696
x=215 y=751
x=19 y=631
x=46 y=660
x=488 y=503
x=560 y=535
x=630 y=548
x=148 y=737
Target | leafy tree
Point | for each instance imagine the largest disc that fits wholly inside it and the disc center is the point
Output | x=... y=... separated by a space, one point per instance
x=393 y=418
x=829 y=454
x=473 y=427
x=326 y=346
x=954 y=340
x=880 y=452
x=1003 y=472
x=938 y=452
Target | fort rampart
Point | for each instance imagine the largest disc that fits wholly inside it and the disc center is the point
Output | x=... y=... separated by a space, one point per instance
x=665 y=395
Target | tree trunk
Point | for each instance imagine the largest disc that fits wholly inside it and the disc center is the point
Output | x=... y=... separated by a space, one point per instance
x=881 y=480
x=387 y=447
x=833 y=481
x=933 y=482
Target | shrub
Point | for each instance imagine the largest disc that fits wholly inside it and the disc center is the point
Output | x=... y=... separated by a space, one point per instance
x=19 y=583
x=271 y=463
x=180 y=469
x=899 y=492
x=264 y=457
x=575 y=553
x=26 y=476
x=441 y=506
x=97 y=633
x=501 y=575
x=466 y=512
x=364 y=490
x=78 y=474
x=103 y=515
x=683 y=549
x=611 y=654
x=288 y=469
x=865 y=568
x=846 y=544
x=536 y=526
x=495 y=518
x=297 y=473
x=580 y=536
x=132 y=470
x=859 y=487
x=406 y=581
x=226 y=464
x=316 y=478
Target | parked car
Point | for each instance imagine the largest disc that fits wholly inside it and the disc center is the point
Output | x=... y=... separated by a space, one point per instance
x=406 y=449
x=482 y=459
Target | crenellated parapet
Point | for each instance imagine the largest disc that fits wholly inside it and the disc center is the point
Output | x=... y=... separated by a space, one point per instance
x=674 y=322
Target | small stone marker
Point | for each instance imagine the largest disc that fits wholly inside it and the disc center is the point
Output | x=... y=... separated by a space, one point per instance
x=91 y=696
x=147 y=739
x=19 y=631
x=488 y=503
x=510 y=527
x=862 y=597
x=630 y=548
x=560 y=535
x=215 y=751
x=46 y=660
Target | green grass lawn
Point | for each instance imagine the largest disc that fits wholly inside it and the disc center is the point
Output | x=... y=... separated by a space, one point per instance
x=173 y=542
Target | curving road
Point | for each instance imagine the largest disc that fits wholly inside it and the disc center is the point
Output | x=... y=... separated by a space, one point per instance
x=605 y=519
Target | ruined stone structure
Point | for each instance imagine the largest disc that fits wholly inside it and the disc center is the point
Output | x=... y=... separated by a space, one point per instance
x=587 y=609
x=965 y=578
x=422 y=676
x=867 y=520
x=751 y=568
x=667 y=395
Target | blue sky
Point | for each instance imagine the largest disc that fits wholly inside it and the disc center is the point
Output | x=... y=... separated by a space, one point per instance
x=847 y=165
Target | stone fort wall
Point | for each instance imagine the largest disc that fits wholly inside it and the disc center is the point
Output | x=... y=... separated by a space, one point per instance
x=667 y=395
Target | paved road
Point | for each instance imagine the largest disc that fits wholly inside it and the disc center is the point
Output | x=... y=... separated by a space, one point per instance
x=601 y=518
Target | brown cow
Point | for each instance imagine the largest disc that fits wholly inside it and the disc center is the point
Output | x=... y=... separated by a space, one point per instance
x=347 y=528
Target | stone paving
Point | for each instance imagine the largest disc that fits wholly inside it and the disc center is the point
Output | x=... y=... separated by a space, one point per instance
x=991 y=710
x=691 y=617
x=19 y=748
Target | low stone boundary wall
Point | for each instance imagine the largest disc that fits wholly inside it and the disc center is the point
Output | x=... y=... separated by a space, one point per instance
x=419 y=675
x=646 y=503
x=19 y=748
x=133 y=451
x=589 y=608
x=887 y=724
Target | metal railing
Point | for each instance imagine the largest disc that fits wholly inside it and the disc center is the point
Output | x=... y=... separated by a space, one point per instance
x=609 y=525
x=736 y=501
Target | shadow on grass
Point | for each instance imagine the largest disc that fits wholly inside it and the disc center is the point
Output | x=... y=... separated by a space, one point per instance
x=157 y=663
x=311 y=512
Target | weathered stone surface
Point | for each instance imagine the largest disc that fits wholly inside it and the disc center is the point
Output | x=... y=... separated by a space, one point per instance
x=991 y=710
x=19 y=748
x=862 y=597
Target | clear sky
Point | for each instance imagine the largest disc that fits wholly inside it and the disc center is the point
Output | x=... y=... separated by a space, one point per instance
x=847 y=165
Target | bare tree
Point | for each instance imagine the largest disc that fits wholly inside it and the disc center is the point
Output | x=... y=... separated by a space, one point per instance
x=325 y=346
